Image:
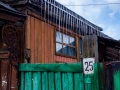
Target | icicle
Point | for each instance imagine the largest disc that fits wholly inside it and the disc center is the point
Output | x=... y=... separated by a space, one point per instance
x=79 y=26
x=71 y=23
x=45 y=11
x=54 y=11
x=48 y=10
x=61 y=15
x=59 y=18
x=63 y=20
x=66 y=21
x=41 y=7
x=56 y=15
x=76 y=26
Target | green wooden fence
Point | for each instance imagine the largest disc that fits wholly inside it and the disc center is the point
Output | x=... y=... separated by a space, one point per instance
x=117 y=80
x=59 y=77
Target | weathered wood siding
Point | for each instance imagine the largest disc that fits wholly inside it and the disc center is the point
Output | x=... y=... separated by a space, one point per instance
x=40 y=39
x=90 y=47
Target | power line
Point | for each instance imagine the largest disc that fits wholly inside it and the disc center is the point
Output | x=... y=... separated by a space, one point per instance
x=94 y=4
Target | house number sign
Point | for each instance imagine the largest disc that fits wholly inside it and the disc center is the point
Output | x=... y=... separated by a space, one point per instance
x=88 y=65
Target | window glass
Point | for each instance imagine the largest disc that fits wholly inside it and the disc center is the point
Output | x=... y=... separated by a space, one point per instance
x=66 y=50
x=58 y=36
x=59 y=48
x=65 y=39
x=72 y=51
x=72 y=41
x=65 y=44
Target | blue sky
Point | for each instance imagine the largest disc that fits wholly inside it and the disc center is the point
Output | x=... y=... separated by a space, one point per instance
x=105 y=16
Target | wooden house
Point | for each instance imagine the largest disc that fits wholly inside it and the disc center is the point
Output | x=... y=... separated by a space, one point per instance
x=53 y=34
x=11 y=29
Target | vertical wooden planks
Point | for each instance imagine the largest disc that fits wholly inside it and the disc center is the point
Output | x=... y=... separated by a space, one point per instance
x=51 y=81
x=32 y=24
x=43 y=42
x=52 y=45
x=87 y=80
x=58 y=81
x=116 y=81
x=70 y=81
x=4 y=74
x=22 y=81
x=28 y=80
x=39 y=42
x=13 y=78
x=101 y=76
x=46 y=44
x=90 y=47
x=78 y=81
x=35 y=81
x=36 y=40
x=64 y=81
x=94 y=78
x=44 y=81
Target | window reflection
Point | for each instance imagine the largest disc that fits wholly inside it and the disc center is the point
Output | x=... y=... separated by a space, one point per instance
x=65 y=44
x=59 y=48
x=65 y=39
x=66 y=50
x=58 y=36
x=72 y=51
x=72 y=41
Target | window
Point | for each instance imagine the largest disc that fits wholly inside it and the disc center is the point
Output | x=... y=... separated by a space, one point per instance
x=65 y=44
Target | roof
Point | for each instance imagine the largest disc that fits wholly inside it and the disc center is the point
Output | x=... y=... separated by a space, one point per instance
x=7 y=9
x=68 y=18
x=110 y=42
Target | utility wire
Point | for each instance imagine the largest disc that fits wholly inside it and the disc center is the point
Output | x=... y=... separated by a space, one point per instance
x=94 y=4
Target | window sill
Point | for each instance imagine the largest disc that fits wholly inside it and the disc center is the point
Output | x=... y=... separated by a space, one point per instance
x=74 y=57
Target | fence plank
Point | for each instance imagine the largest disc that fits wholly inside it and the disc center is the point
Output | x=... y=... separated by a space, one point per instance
x=58 y=81
x=35 y=81
x=28 y=81
x=51 y=81
x=95 y=81
x=39 y=81
x=64 y=81
x=22 y=83
x=70 y=81
x=76 y=81
x=44 y=81
x=81 y=81
x=101 y=76
x=87 y=79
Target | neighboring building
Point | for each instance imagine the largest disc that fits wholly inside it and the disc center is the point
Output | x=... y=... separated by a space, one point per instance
x=11 y=29
x=53 y=33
